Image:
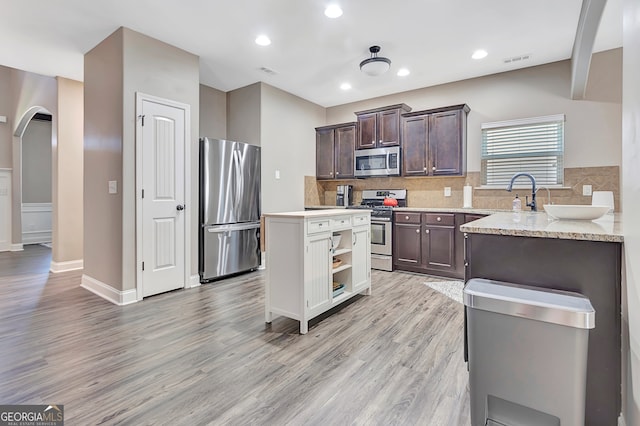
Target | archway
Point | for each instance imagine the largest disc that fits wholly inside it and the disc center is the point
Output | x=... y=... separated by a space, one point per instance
x=32 y=210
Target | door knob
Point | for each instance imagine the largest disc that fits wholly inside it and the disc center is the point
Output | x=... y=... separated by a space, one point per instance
x=180 y=207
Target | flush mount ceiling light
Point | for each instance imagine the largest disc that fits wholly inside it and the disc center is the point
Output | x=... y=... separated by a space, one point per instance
x=345 y=86
x=403 y=72
x=375 y=65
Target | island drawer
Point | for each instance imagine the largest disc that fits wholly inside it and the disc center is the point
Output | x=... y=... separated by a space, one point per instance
x=407 y=217
x=315 y=226
x=341 y=222
x=440 y=219
x=362 y=219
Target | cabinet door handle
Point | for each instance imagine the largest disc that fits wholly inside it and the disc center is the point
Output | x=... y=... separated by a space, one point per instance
x=417 y=231
x=424 y=168
x=438 y=218
x=426 y=231
x=406 y=218
x=433 y=168
x=355 y=239
x=337 y=173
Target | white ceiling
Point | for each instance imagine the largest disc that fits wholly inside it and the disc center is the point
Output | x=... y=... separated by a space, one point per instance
x=311 y=54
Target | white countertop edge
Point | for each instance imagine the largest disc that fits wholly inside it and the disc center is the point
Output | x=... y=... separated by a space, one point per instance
x=319 y=213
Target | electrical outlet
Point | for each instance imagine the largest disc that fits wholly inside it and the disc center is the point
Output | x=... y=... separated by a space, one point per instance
x=113 y=187
x=586 y=190
x=277 y=174
x=447 y=191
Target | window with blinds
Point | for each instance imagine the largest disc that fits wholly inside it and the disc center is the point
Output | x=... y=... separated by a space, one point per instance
x=532 y=145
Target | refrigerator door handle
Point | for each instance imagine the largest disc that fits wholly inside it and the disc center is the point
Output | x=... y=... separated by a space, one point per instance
x=237 y=171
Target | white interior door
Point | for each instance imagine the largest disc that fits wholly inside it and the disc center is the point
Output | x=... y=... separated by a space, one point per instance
x=163 y=215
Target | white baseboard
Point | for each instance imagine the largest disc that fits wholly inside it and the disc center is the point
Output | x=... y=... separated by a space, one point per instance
x=194 y=281
x=107 y=292
x=17 y=247
x=263 y=261
x=35 y=237
x=71 y=265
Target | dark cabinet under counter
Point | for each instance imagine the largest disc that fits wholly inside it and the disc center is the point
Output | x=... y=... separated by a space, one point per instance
x=591 y=268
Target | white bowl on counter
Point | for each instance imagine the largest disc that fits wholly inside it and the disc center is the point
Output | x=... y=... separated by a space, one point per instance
x=575 y=211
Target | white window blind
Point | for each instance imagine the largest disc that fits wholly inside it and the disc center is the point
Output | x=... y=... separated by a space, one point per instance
x=532 y=145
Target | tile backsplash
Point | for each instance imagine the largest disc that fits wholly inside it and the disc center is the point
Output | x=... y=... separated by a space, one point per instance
x=429 y=191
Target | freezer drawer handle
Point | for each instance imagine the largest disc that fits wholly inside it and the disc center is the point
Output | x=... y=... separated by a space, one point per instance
x=180 y=207
x=222 y=229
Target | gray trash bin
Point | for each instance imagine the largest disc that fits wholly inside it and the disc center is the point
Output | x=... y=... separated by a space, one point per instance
x=527 y=354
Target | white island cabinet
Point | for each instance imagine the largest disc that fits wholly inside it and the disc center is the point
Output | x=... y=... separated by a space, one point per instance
x=303 y=267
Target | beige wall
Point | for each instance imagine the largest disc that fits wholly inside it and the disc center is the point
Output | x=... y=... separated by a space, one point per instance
x=103 y=105
x=213 y=113
x=122 y=65
x=158 y=69
x=243 y=114
x=6 y=109
x=543 y=90
x=36 y=162
x=67 y=174
x=631 y=212
x=288 y=145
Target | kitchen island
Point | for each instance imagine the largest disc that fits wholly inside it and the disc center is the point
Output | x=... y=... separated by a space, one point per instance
x=581 y=256
x=315 y=260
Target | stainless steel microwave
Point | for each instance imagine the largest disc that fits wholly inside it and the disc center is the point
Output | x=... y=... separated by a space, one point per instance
x=377 y=162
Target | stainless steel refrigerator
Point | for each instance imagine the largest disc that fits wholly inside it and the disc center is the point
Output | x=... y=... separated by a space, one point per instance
x=229 y=239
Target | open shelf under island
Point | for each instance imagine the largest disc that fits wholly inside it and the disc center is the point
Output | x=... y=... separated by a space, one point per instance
x=300 y=258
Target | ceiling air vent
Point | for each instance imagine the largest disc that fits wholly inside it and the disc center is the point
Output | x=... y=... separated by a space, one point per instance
x=267 y=71
x=516 y=59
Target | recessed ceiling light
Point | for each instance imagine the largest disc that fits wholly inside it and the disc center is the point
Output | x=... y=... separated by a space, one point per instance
x=403 y=72
x=345 y=86
x=263 y=40
x=479 y=54
x=333 y=11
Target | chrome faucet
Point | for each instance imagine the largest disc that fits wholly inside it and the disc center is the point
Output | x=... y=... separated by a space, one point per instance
x=533 y=189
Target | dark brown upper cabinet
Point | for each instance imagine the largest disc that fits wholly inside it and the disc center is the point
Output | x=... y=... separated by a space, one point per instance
x=334 y=151
x=380 y=127
x=434 y=142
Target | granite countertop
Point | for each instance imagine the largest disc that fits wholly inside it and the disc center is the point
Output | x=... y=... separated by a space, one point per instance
x=326 y=212
x=540 y=225
x=446 y=210
x=422 y=209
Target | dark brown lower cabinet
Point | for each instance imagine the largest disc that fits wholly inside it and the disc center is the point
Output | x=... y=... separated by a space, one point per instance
x=426 y=242
x=591 y=268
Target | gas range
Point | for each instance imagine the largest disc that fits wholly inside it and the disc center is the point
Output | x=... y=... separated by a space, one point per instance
x=374 y=200
x=381 y=224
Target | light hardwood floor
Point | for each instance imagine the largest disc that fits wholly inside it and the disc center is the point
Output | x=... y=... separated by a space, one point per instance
x=205 y=355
